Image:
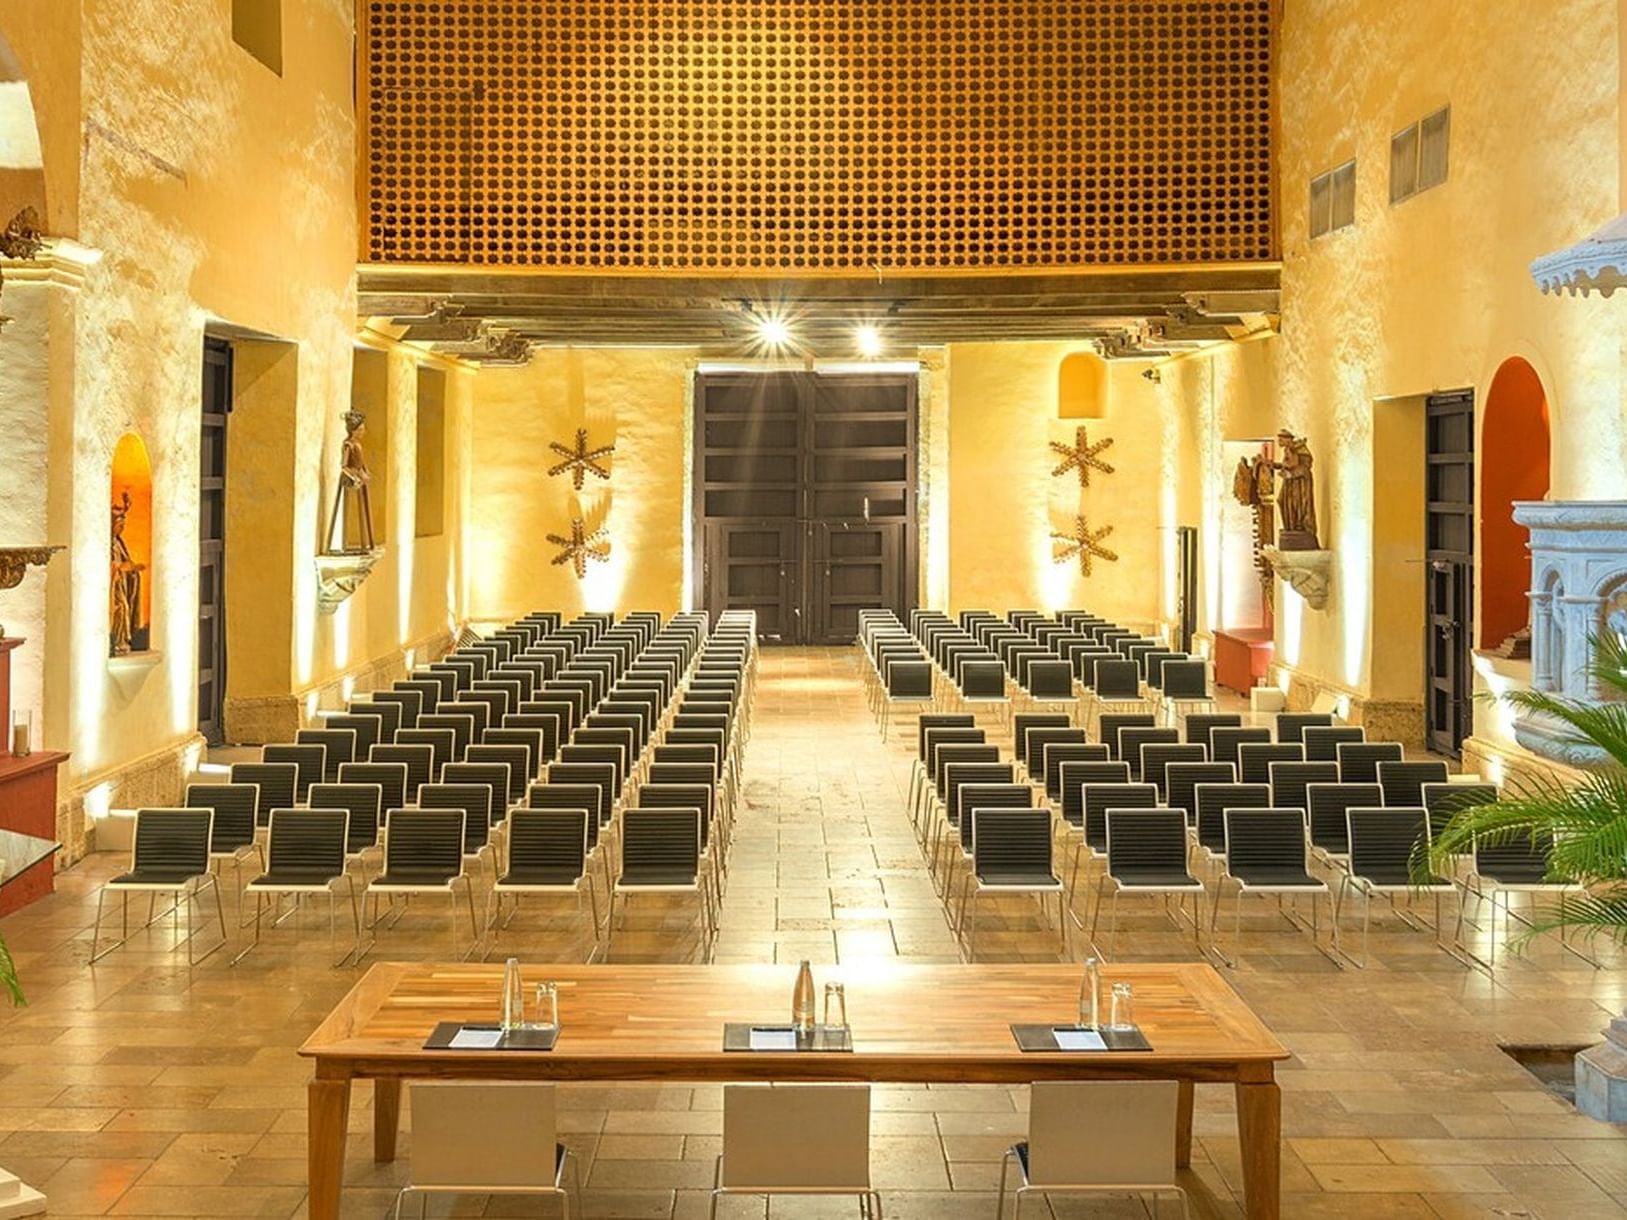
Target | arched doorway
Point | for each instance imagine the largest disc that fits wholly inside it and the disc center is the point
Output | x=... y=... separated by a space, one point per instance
x=1514 y=445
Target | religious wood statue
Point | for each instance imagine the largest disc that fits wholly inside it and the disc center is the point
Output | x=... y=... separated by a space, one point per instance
x=352 y=502
x=1254 y=488
x=1296 y=494
x=127 y=631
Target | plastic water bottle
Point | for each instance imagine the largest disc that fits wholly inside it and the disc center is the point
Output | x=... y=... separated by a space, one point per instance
x=1090 y=995
x=802 y=1001
x=513 y=997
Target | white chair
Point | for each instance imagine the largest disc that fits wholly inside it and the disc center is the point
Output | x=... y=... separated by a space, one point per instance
x=484 y=1139
x=808 y=1139
x=1098 y=1137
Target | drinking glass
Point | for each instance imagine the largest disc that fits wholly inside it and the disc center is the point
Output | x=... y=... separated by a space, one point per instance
x=546 y=1012
x=835 y=1006
x=1123 y=1012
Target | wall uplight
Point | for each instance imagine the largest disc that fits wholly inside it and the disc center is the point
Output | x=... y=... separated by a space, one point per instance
x=867 y=339
x=773 y=333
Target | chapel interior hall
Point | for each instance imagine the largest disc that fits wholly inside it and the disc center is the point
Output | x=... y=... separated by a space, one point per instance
x=677 y=609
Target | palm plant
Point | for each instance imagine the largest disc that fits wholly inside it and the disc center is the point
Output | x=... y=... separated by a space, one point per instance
x=8 y=976
x=1585 y=822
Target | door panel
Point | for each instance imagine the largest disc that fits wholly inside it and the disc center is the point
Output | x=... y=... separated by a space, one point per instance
x=1449 y=590
x=855 y=567
x=805 y=498
x=752 y=566
x=216 y=405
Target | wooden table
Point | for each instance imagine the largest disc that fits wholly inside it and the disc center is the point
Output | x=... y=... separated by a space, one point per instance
x=911 y=1024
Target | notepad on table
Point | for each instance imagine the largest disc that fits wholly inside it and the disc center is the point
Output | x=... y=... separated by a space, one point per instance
x=476 y=1039
x=771 y=1039
x=1078 y=1039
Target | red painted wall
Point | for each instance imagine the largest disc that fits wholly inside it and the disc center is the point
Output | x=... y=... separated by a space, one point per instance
x=1513 y=466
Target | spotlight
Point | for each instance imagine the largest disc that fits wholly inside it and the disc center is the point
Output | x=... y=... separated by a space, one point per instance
x=868 y=340
x=773 y=332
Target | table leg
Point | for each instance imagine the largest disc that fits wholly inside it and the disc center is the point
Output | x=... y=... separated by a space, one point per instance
x=1259 y=1131
x=327 y=1122
x=1183 y=1125
x=386 y=1117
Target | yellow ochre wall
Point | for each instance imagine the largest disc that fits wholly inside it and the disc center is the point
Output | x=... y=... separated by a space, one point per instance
x=1430 y=294
x=636 y=400
x=988 y=500
x=1004 y=502
x=205 y=193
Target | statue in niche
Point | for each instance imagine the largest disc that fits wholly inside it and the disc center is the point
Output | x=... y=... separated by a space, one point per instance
x=352 y=502
x=1254 y=487
x=128 y=632
x=1296 y=494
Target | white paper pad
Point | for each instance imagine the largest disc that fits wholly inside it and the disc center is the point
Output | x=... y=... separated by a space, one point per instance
x=476 y=1039
x=1078 y=1040
x=773 y=1040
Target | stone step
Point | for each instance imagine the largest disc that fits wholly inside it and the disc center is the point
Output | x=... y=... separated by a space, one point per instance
x=18 y=1199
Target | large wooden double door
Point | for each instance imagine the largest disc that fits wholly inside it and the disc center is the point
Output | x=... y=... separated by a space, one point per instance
x=805 y=499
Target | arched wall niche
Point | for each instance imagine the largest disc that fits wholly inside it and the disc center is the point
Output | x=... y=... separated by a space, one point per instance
x=130 y=601
x=1081 y=387
x=1514 y=453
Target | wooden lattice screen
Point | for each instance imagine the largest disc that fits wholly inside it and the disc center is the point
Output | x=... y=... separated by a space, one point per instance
x=792 y=136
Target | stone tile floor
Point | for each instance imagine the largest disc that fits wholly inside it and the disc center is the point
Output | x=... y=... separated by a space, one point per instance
x=141 y=1087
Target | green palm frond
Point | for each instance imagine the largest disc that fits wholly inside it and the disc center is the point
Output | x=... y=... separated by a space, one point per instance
x=1609 y=663
x=8 y=976
x=1591 y=915
x=1591 y=724
x=1587 y=824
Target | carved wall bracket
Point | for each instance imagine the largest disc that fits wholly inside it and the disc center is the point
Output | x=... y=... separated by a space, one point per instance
x=1308 y=573
x=16 y=560
x=338 y=576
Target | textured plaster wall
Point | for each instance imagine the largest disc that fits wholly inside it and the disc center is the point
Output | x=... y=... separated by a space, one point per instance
x=633 y=399
x=1003 y=502
x=1431 y=294
x=210 y=193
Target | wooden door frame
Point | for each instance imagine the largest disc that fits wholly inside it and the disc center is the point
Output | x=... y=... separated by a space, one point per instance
x=1437 y=560
x=217 y=351
x=804 y=381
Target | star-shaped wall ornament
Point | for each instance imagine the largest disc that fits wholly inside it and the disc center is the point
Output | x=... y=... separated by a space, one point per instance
x=1082 y=456
x=1085 y=543
x=581 y=546
x=581 y=459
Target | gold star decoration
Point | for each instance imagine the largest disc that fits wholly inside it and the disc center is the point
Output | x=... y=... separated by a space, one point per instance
x=1085 y=543
x=581 y=546
x=1081 y=456
x=581 y=459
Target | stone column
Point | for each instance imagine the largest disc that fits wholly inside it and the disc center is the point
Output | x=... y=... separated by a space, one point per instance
x=1542 y=675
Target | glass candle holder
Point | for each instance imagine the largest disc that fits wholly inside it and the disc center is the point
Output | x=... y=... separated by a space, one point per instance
x=22 y=732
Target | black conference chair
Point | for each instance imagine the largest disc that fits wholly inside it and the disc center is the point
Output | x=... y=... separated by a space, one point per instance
x=547 y=856
x=308 y=849
x=1011 y=854
x=1266 y=853
x=170 y=856
x=1146 y=854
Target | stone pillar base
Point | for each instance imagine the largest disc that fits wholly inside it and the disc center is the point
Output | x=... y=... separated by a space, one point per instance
x=18 y=1199
x=1601 y=1076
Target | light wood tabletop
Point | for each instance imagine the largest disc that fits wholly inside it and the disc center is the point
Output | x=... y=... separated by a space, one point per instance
x=911 y=1024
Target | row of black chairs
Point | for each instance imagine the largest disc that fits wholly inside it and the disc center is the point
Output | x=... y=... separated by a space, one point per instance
x=606 y=751
x=1363 y=819
x=995 y=665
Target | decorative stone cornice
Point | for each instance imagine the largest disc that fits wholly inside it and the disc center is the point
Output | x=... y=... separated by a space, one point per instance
x=1597 y=263
x=1308 y=573
x=340 y=575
